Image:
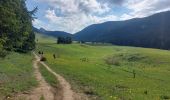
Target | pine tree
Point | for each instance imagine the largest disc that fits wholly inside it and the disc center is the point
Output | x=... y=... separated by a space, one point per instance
x=16 y=26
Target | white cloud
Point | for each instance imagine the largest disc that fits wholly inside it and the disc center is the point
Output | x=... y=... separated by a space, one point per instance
x=126 y=17
x=38 y=23
x=76 y=22
x=143 y=8
x=74 y=15
x=77 y=6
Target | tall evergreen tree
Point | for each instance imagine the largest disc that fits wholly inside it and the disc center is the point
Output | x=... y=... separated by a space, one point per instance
x=16 y=26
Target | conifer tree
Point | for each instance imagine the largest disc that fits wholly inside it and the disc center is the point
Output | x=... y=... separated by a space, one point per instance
x=16 y=26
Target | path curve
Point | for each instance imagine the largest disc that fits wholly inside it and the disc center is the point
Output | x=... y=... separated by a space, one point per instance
x=67 y=94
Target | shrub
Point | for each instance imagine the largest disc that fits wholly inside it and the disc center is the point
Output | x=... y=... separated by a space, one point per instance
x=112 y=61
x=3 y=52
x=146 y=92
x=132 y=57
x=89 y=91
x=165 y=97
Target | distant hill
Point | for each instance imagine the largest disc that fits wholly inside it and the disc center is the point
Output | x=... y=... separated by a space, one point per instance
x=52 y=33
x=152 y=31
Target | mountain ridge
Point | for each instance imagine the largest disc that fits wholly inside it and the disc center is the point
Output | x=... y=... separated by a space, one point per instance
x=152 y=32
x=52 y=33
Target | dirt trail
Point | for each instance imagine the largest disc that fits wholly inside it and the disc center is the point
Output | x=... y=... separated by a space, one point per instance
x=68 y=94
x=44 y=90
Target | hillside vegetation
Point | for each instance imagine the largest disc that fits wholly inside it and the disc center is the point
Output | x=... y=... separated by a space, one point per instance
x=112 y=72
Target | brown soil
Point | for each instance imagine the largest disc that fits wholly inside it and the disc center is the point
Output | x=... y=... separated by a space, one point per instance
x=45 y=91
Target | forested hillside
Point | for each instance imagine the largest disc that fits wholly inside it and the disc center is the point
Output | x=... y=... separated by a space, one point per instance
x=152 y=32
x=16 y=26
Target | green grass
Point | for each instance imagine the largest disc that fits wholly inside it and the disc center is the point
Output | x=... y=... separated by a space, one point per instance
x=49 y=77
x=107 y=71
x=42 y=98
x=16 y=74
x=44 y=38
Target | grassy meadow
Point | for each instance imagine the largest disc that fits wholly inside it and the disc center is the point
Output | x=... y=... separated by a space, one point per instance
x=44 y=38
x=107 y=72
x=16 y=74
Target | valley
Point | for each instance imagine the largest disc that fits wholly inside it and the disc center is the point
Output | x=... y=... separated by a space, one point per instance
x=84 y=50
x=107 y=71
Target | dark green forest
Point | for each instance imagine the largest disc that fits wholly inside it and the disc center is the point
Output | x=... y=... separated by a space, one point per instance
x=64 y=40
x=16 y=32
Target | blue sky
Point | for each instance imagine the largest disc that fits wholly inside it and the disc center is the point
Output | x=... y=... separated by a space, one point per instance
x=74 y=15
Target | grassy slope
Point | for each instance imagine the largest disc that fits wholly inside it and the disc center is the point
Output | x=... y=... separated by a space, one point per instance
x=16 y=74
x=110 y=82
x=45 y=39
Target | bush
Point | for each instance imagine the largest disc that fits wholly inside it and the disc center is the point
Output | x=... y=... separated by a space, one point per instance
x=3 y=52
x=146 y=92
x=132 y=57
x=112 y=61
x=165 y=97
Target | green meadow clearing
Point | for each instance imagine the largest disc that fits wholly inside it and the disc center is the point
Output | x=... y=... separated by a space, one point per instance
x=16 y=74
x=107 y=72
x=102 y=72
x=44 y=38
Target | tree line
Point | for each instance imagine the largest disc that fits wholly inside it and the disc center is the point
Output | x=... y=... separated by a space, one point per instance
x=64 y=40
x=16 y=32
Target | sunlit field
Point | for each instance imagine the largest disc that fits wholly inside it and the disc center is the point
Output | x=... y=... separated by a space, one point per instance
x=112 y=72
